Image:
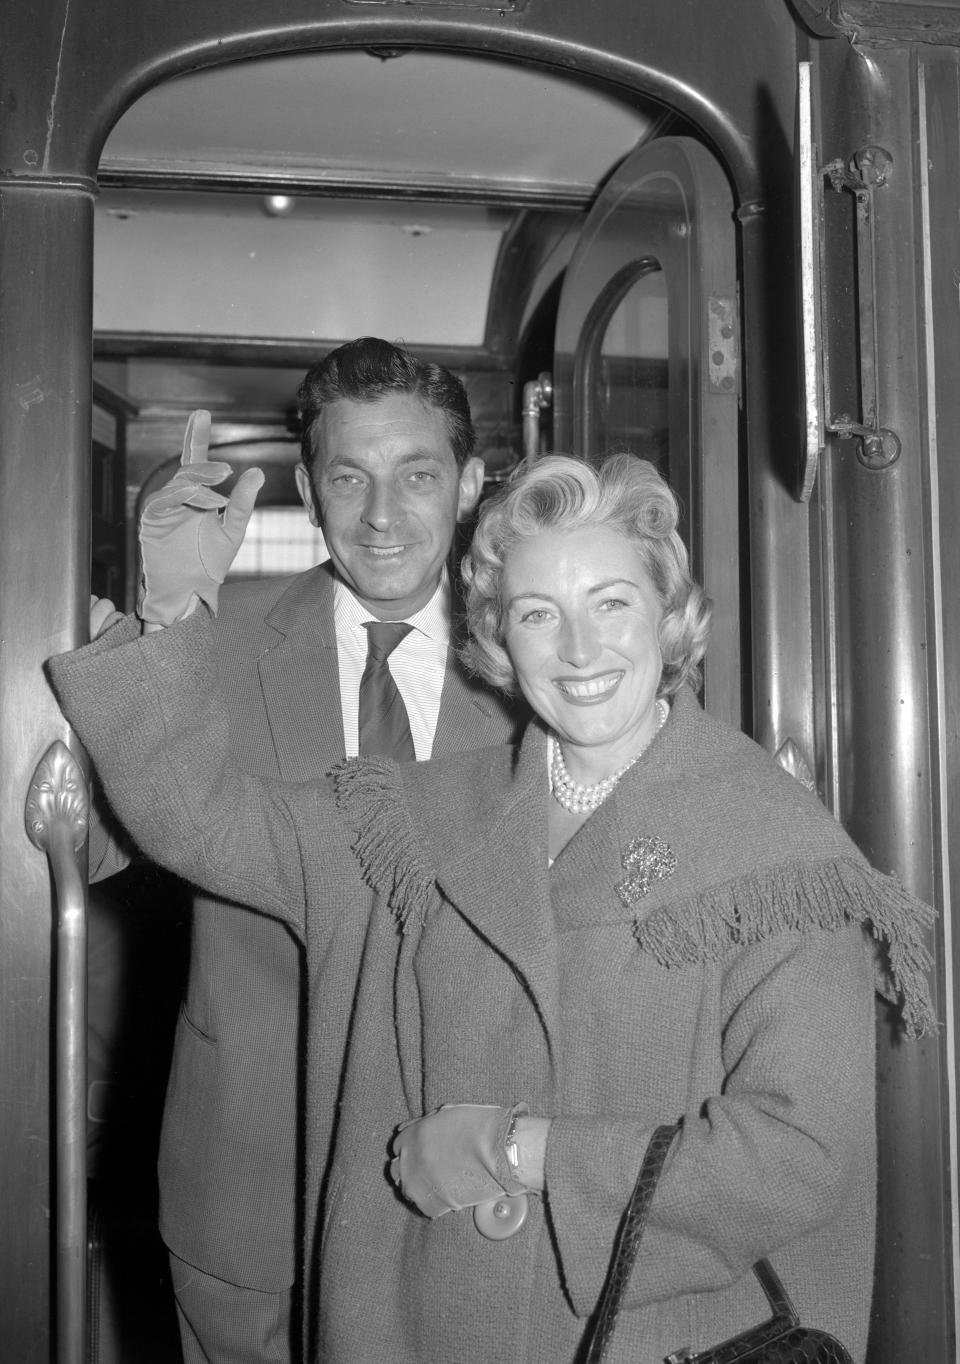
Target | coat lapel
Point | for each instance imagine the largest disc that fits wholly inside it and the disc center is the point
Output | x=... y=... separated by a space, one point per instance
x=591 y=867
x=300 y=679
x=471 y=716
x=490 y=850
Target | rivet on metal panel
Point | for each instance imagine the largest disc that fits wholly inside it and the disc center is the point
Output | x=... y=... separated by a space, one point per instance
x=723 y=351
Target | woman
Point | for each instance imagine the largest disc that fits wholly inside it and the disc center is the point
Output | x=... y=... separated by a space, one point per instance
x=638 y=919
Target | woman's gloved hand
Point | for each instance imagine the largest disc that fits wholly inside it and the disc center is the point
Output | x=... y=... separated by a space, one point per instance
x=455 y=1157
x=189 y=534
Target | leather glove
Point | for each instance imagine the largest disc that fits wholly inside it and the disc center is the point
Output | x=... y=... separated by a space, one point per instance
x=189 y=534
x=454 y=1158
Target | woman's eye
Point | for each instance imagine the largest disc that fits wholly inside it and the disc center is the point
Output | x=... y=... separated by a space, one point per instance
x=612 y=604
x=536 y=616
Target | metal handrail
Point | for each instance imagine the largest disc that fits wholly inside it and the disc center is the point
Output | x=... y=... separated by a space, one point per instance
x=537 y=397
x=56 y=817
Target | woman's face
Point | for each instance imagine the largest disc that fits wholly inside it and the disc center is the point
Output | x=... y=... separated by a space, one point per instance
x=582 y=630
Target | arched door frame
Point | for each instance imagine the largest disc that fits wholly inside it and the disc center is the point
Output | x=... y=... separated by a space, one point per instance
x=66 y=76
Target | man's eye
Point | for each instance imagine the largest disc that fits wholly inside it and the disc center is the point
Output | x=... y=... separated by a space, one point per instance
x=345 y=481
x=422 y=476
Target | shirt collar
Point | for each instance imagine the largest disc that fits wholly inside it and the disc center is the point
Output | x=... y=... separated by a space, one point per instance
x=432 y=620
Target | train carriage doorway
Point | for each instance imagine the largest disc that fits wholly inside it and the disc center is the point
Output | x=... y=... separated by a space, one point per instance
x=62 y=87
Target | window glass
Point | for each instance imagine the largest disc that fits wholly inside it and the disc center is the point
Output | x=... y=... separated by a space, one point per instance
x=631 y=372
x=278 y=540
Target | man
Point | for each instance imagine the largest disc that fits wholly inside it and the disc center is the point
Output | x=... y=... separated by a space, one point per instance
x=388 y=469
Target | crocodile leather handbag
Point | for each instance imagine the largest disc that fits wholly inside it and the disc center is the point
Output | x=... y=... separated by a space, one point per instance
x=781 y=1340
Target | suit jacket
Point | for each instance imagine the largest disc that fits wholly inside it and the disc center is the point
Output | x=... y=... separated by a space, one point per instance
x=696 y=951
x=229 y=1150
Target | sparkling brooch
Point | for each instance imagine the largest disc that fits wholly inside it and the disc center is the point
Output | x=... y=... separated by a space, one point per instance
x=646 y=860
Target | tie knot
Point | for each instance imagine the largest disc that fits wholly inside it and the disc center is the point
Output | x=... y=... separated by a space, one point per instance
x=383 y=636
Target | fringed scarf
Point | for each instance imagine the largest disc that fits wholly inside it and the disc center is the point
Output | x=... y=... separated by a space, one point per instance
x=833 y=887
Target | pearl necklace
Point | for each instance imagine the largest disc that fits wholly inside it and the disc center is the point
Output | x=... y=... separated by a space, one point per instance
x=583 y=800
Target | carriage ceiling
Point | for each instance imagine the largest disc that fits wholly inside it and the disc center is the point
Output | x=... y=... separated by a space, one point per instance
x=402 y=173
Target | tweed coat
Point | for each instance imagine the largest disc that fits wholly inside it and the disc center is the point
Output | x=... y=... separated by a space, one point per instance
x=228 y=1153
x=697 y=952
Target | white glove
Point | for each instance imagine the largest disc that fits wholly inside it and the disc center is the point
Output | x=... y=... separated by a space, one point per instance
x=189 y=535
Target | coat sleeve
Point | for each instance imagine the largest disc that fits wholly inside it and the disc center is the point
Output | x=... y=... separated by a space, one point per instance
x=772 y=1155
x=110 y=851
x=149 y=712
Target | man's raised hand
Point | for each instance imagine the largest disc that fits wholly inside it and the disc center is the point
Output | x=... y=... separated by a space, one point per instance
x=190 y=534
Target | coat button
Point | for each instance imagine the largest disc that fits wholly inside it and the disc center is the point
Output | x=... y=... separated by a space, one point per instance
x=501 y=1217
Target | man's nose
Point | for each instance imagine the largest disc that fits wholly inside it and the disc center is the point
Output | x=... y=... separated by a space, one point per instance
x=579 y=642
x=381 y=506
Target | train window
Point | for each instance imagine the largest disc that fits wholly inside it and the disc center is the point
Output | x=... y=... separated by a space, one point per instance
x=628 y=370
x=278 y=540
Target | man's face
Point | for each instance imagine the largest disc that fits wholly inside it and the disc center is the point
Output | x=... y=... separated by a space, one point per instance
x=387 y=495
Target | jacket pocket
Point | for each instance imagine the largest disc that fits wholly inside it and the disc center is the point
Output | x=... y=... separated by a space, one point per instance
x=194 y=1029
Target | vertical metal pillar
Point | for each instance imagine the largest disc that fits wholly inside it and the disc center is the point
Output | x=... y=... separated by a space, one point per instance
x=888 y=773
x=46 y=264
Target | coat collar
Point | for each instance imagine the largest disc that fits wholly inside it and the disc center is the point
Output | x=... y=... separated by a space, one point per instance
x=305 y=610
x=296 y=613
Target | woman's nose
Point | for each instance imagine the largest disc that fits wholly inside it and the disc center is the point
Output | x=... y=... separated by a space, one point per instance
x=579 y=643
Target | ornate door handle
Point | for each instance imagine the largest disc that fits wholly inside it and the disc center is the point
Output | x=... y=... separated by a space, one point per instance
x=56 y=816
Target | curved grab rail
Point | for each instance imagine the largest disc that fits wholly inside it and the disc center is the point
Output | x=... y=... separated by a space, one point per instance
x=56 y=817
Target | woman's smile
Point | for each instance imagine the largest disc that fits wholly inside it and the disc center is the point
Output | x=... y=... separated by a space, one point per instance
x=587 y=691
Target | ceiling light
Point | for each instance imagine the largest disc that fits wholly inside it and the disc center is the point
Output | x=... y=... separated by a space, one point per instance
x=279 y=205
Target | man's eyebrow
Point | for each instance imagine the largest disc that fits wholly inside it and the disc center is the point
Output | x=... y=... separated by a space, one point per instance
x=411 y=457
x=416 y=456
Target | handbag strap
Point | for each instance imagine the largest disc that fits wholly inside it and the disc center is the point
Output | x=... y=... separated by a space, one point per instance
x=627 y=1244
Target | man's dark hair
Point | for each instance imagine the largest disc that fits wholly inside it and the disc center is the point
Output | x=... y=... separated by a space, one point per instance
x=369 y=368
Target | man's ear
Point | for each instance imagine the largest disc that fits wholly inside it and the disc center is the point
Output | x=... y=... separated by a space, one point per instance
x=307 y=494
x=471 y=486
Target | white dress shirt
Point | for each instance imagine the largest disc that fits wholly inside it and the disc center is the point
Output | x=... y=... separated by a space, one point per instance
x=417 y=664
